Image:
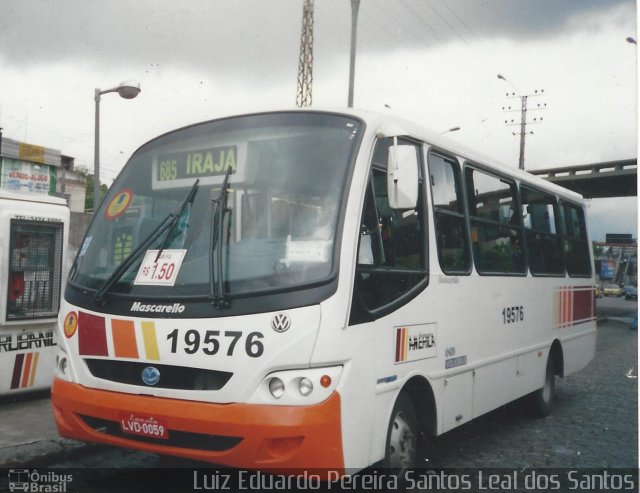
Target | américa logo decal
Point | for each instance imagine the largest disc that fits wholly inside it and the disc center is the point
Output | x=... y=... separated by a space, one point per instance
x=119 y=204
x=70 y=324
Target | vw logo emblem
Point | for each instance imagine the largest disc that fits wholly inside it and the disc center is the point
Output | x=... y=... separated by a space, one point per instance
x=281 y=322
x=150 y=375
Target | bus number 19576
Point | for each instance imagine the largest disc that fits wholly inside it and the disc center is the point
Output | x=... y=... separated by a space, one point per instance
x=512 y=314
x=213 y=341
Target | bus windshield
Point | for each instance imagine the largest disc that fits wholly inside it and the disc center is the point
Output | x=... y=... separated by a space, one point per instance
x=168 y=228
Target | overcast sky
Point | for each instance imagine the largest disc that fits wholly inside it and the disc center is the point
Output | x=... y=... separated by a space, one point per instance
x=433 y=61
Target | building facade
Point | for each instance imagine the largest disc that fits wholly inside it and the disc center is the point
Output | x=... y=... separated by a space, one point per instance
x=36 y=169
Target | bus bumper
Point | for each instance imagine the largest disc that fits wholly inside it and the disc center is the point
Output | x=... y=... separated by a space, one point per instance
x=247 y=436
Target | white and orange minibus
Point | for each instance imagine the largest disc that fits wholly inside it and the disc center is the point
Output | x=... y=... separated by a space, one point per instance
x=317 y=289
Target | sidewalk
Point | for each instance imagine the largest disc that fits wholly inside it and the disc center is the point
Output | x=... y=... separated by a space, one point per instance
x=28 y=434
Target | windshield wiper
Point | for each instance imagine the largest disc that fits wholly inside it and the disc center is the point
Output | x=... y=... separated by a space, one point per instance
x=188 y=200
x=168 y=223
x=219 y=209
x=115 y=276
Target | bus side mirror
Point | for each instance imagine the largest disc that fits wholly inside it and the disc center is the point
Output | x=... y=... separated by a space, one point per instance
x=402 y=176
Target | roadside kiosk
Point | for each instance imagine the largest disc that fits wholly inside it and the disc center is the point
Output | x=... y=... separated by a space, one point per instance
x=34 y=229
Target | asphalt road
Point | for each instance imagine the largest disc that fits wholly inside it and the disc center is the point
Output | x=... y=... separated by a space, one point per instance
x=616 y=307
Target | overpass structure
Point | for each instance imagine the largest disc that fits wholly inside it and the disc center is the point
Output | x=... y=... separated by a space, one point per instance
x=618 y=263
x=597 y=180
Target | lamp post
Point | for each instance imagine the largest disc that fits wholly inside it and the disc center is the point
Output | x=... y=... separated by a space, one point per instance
x=452 y=129
x=502 y=77
x=128 y=90
x=355 y=4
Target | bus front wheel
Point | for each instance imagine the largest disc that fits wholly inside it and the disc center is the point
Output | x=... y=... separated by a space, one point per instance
x=402 y=436
x=542 y=399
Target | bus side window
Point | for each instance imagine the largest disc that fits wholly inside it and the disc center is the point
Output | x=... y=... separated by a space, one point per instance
x=539 y=213
x=576 y=246
x=496 y=225
x=391 y=252
x=451 y=227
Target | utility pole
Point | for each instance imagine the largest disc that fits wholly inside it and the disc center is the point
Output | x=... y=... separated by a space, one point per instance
x=305 y=63
x=355 y=4
x=524 y=98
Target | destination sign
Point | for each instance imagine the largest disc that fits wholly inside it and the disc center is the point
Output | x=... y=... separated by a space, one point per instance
x=178 y=169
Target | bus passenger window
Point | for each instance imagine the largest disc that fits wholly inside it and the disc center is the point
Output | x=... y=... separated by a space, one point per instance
x=576 y=245
x=451 y=227
x=544 y=251
x=496 y=225
x=391 y=253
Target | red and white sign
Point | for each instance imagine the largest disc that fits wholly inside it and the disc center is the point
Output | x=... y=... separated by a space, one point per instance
x=162 y=272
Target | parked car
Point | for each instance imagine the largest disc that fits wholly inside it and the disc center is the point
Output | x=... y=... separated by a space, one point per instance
x=613 y=290
x=630 y=293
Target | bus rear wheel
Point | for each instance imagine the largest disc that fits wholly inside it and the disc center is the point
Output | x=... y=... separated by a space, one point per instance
x=402 y=437
x=542 y=399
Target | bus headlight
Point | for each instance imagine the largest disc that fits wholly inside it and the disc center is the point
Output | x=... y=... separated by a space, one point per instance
x=276 y=387
x=297 y=387
x=305 y=386
x=62 y=370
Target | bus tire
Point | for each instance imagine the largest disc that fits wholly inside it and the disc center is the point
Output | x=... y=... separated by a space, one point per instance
x=402 y=437
x=542 y=399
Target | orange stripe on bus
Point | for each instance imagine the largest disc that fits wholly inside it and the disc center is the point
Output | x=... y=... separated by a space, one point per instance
x=26 y=370
x=34 y=368
x=124 y=339
x=405 y=343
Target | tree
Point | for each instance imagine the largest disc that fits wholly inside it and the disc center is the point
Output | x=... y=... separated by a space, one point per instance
x=597 y=250
x=88 y=198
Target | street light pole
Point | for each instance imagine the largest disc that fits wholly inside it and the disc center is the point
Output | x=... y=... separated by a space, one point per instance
x=127 y=90
x=452 y=129
x=96 y=153
x=355 y=4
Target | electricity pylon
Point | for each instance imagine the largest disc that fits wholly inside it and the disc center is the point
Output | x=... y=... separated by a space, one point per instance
x=305 y=63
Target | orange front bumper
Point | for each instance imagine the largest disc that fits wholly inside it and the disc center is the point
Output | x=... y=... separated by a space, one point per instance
x=278 y=438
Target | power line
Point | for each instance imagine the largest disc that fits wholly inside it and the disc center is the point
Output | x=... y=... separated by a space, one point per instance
x=452 y=27
x=382 y=28
x=434 y=33
x=460 y=20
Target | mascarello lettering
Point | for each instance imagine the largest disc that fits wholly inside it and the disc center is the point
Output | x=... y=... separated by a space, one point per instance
x=148 y=308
